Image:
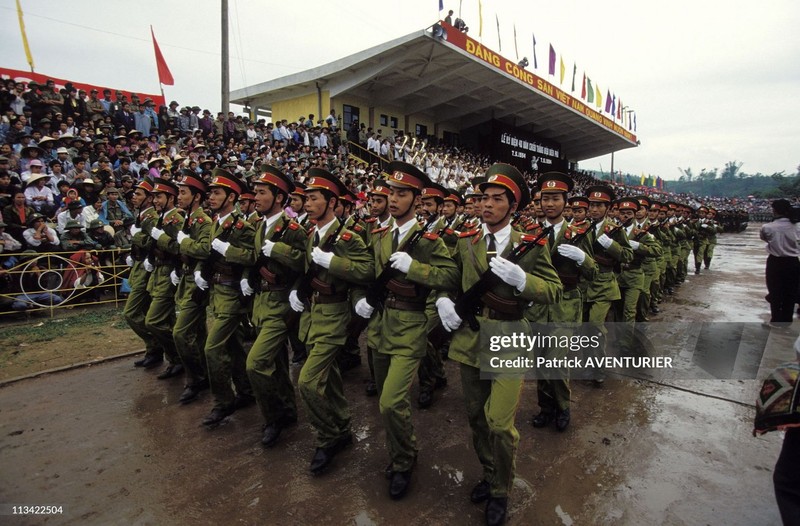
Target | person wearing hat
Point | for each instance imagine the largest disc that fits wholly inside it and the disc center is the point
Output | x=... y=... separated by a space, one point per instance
x=609 y=248
x=123 y=238
x=782 y=236
x=38 y=195
x=194 y=239
x=138 y=301
x=571 y=255
x=420 y=270
x=162 y=259
x=340 y=272
x=297 y=201
x=231 y=245
x=631 y=279
x=709 y=235
x=276 y=262
x=646 y=228
x=39 y=236
x=450 y=218
x=492 y=403
x=344 y=212
x=114 y=210
x=74 y=238
x=72 y=213
x=94 y=108
x=654 y=225
x=247 y=206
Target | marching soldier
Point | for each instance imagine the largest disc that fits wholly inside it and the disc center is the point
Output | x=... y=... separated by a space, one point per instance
x=164 y=255
x=138 y=301
x=297 y=201
x=338 y=274
x=190 y=330
x=650 y=262
x=231 y=246
x=423 y=264
x=609 y=247
x=492 y=403
x=715 y=229
x=278 y=259
x=247 y=206
x=570 y=252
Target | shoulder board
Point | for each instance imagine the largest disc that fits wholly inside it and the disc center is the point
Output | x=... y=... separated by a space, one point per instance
x=258 y=219
x=449 y=231
x=470 y=233
x=568 y=233
x=293 y=225
x=430 y=235
x=379 y=230
x=370 y=219
x=200 y=220
x=358 y=228
x=533 y=226
x=239 y=224
x=527 y=238
x=346 y=236
x=310 y=231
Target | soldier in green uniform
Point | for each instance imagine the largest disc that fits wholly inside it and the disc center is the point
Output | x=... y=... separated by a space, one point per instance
x=492 y=403
x=139 y=298
x=631 y=279
x=160 y=318
x=570 y=252
x=190 y=330
x=231 y=247
x=297 y=201
x=381 y=219
x=247 y=206
x=609 y=247
x=714 y=228
x=277 y=261
x=339 y=276
x=74 y=238
x=649 y=262
x=421 y=266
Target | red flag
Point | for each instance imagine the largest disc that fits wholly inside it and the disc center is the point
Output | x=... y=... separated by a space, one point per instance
x=583 y=87
x=164 y=75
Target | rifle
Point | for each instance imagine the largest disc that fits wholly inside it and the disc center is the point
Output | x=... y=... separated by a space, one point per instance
x=207 y=266
x=184 y=259
x=377 y=292
x=262 y=259
x=578 y=237
x=151 y=250
x=304 y=287
x=468 y=303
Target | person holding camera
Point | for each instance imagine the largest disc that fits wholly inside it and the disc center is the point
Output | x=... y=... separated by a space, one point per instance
x=783 y=266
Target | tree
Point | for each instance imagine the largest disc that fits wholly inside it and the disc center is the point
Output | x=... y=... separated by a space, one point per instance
x=731 y=167
x=688 y=175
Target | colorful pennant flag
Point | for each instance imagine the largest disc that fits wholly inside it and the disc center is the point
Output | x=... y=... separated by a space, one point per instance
x=561 y=70
x=164 y=75
x=589 y=90
x=28 y=55
x=608 y=102
x=583 y=87
x=552 y=63
x=598 y=98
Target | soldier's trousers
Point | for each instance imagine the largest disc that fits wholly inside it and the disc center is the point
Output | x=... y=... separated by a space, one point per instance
x=320 y=382
x=646 y=296
x=159 y=321
x=225 y=355
x=491 y=410
x=709 y=254
x=394 y=375
x=190 y=333
x=699 y=252
x=268 y=359
x=598 y=311
x=431 y=367
x=553 y=393
x=135 y=312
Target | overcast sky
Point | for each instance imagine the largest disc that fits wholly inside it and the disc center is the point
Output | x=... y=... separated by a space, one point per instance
x=711 y=81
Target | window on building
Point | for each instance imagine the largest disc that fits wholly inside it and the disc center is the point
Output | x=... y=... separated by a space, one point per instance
x=384 y=120
x=349 y=114
x=421 y=131
x=393 y=122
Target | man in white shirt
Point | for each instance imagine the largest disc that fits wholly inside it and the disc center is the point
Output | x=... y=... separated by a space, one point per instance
x=783 y=267
x=37 y=194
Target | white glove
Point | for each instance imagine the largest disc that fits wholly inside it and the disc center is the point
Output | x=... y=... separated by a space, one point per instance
x=267 y=248
x=174 y=278
x=100 y=278
x=605 y=241
x=199 y=281
x=401 y=261
x=704 y=225
x=295 y=302
x=148 y=266
x=321 y=258
x=220 y=246
x=182 y=236
x=364 y=309
x=135 y=230
x=247 y=290
x=156 y=233
x=129 y=261
x=634 y=244
x=509 y=272
x=447 y=313
x=572 y=252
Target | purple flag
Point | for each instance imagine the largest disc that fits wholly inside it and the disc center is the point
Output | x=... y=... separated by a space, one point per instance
x=608 y=101
x=552 y=67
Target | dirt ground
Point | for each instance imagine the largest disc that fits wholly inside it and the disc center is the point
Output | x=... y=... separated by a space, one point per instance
x=111 y=444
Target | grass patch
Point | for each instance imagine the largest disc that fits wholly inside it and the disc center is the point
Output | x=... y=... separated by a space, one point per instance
x=44 y=330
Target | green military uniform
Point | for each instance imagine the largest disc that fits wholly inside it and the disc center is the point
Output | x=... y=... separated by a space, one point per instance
x=160 y=318
x=138 y=301
x=492 y=404
x=650 y=264
x=190 y=331
x=225 y=354
x=74 y=238
x=403 y=323
x=272 y=278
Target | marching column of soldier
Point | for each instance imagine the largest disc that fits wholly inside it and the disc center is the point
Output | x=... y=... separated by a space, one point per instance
x=313 y=280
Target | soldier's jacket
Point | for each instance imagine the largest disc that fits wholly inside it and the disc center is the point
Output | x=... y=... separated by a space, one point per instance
x=80 y=241
x=448 y=233
x=655 y=249
x=542 y=285
x=226 y=271
x=570 y=307
x=286 y=261
x=253 y=217
x=140 y=245
x=632 y=275
x=604 y=286
x=356 y=225
x=373 y=224
x=352 y=266
x=166 y=255
x=193 y=249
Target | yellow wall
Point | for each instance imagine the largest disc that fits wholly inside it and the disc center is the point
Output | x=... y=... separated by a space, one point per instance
x=291 y=109
x=390 y=112
x=418 y=118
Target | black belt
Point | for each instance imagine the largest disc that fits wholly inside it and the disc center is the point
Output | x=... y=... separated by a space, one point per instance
x=393 y=302
x=266 y=286
x=496 y=315
x=317 y=297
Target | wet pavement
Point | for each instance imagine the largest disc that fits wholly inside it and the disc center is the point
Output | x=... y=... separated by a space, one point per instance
x=111 y=445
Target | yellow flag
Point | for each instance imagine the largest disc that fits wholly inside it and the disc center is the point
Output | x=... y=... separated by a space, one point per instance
x=480 y=18
x=598 y=98
x=24 y=36
x=641 y=182
x=562 y=70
